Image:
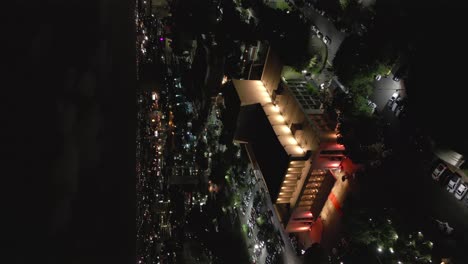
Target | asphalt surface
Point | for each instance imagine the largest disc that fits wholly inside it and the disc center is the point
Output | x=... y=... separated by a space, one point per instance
x=328 y=29
x=383 y=90
x=411 y=189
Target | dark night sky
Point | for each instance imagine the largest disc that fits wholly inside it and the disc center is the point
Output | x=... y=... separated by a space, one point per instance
x=68 y=114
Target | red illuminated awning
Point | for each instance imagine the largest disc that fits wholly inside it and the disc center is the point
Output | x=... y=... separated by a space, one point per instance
x=348 y=167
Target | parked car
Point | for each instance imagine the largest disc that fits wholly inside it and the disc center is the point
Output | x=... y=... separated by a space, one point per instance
x=461 y=191
x=319 y=35
x=394 y=105
x=326 y=40
x=314 y=29
x=444 y=178
x=372 y=105
x=390 y=103
x=438 y=171
x=392 y=100
x=399 y=110
x=453 y=183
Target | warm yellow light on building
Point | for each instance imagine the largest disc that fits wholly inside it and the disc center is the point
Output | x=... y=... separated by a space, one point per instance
x=225 y=79
x=279 y=118
x=300 y=149
x=271 y=109
x=282 y=130
x=287 y=140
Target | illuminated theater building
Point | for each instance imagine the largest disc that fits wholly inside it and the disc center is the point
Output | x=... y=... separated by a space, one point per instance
x=290 y=142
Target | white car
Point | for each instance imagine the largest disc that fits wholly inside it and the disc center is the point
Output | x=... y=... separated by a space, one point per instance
x=461 y=191
x=438 y=171
x=395 y=95
x=372 y=105
x=453 y=183
x=326 y=40
x=394 y=105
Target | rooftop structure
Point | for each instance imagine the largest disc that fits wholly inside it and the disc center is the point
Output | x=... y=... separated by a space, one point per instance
x=290 y=140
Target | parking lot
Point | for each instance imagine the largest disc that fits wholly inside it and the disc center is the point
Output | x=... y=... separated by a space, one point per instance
x=409 y=172
x=384 y=89
x=450 y=182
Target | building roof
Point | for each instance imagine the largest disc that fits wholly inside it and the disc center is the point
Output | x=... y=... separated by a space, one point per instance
x=268 y=153
x=251 y=92
x=254 y=92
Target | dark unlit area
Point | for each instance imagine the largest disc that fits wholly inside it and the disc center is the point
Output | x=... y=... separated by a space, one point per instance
x=68 y=113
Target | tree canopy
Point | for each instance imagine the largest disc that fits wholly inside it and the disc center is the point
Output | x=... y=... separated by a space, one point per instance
x=391 y=238
x=358 y=61
x=360 y=135
x=289 y=32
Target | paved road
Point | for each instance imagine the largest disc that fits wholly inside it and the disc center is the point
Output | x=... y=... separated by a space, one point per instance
x=327 y=28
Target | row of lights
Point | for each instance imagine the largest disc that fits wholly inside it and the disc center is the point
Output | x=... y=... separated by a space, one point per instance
x=280 y=119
